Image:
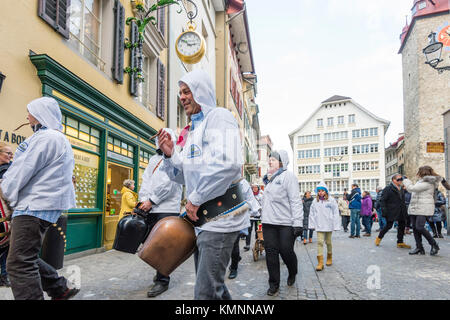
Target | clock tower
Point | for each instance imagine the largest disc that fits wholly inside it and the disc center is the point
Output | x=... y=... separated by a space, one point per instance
x=426 y=93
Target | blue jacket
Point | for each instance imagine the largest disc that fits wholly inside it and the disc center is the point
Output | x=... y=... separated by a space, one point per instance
x=354 y=199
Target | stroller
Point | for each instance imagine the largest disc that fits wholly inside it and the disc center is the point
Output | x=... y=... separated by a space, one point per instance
x=259 y=243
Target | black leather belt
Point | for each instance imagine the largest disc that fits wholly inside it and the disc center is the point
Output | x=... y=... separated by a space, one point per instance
x=211 y=210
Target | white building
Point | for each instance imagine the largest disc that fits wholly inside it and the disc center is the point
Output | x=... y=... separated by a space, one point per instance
x=340 y=143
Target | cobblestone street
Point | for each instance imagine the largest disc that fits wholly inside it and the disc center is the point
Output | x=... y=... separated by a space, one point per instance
x=121 y=276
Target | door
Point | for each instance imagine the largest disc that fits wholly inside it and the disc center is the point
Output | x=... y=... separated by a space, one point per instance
x=116 y=175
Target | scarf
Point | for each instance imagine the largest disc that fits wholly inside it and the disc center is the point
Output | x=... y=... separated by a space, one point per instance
x=267 y=180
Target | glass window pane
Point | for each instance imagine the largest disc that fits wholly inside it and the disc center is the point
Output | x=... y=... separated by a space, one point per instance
x=72 y=132
x=84 y=128
x=95 y=133
x=84 y=136
x=95 y=141
x=72 y=122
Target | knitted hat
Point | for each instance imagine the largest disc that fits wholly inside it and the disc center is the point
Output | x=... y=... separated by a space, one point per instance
x=322 y=186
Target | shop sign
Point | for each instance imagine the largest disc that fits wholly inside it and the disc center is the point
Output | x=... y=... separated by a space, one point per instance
x=119 y=157
x=435 y=147
x=79 y=143
x=11 y=138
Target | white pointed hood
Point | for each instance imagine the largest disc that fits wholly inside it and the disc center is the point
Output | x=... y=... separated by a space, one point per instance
x=46 y=110
x=202 y=89
x=284 y=158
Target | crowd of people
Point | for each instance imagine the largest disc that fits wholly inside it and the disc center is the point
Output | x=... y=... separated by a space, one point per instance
x=220 y=205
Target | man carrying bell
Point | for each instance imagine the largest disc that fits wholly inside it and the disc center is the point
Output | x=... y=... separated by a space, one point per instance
x=210 y=167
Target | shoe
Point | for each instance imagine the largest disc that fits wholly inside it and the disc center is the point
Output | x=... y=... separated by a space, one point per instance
x=157 y=289
x=68 y=294
x=366 y=235
x=291 y=280
x=310 y=240
x=403 y=245
x=435 y=235
x=320 y=265
x=329 y=260
x=351 y=237
x=272 y=291
x=304 y=241
x=377 y=241
x=440 y=236
x=357 y=236
x=246 y=248
x=4 y=281
x=420 y=251
x=233 y=274
x=434 y=249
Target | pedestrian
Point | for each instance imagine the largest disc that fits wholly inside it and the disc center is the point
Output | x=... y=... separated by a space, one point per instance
x=354 y=199
x=439 y=212
x=254 y=206
x=381 y=219
x=129 y=198
x=209 y=166
x=408 y=218
x=366 y=213
x=39 y=187
x=255 y=216
x=162 y=197
x=345 y=213
x=307 y=201
x=282 y=219
x=422 y=205
x=393 y=208
x=6 y=155
x=324 y=218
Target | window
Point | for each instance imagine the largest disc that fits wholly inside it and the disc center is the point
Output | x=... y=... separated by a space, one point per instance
x=364 y=133
x=320 y=122
x=309 y=139
x=309 y=154
x=85 y=27
x=373 y=132
x=351 y=118
x=333 y=136
x=341 y=120
x=330 y=122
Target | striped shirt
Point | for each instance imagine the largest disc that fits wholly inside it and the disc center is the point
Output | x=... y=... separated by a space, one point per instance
x=48 y=215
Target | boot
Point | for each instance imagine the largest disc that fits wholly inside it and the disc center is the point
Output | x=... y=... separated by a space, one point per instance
x=434 y=249
x=310 y=240
x=403 y=245
x=420 y=251
x=377 y=241
x=329 y=259
x=440 y=236
x=320 y=265
x=304 y=241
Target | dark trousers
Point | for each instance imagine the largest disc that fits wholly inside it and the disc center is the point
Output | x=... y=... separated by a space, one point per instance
x=235 y=254
x=305 y=233
x=419 y=230
x=345 y=222
x=400 y=230
x=279 y=241
x=248 y=237
x=29 y=275
x=162 y=279
x=367 y=223
x=3 y=256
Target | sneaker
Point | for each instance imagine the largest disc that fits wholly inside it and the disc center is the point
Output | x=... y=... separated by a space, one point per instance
x=272 y=291
x=233 y=274
x=157 y=289
x=68 y=294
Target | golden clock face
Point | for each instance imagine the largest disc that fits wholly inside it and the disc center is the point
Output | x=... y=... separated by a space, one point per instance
x=190 y=47
x=444 y=36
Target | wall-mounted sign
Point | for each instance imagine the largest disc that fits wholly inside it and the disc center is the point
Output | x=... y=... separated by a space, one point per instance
x=435 y=147
x=119 y=157
x=11 y=138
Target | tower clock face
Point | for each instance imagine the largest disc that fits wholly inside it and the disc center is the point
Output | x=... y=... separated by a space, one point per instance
x=189 y=44
x=444 y=36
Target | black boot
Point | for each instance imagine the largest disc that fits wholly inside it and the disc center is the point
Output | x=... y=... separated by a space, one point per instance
x=417 y=251
x=157 y=289
x=434 y=249
x=291 y=280
x=233 y=274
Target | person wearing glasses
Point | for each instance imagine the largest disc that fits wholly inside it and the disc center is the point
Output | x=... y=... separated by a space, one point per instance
x=6 y=155
x=393 y=208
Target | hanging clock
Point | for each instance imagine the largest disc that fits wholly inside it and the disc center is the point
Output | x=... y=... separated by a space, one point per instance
x=190 y=45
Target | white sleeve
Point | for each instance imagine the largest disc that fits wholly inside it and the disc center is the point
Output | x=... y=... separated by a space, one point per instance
x=173 y=167
x=312 y=216
x=336 y=217
x=418 y=187
x=295 y=202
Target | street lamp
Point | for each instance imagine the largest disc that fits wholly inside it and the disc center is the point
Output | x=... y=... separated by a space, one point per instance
x=433 y=53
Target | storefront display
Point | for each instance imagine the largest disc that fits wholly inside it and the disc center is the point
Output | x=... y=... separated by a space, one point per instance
x=86 y=179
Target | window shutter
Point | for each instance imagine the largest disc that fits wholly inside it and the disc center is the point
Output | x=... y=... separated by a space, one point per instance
x=161 y=95
x=119 y=32
x=56 y=13
x=134 y=37
x=162 y=21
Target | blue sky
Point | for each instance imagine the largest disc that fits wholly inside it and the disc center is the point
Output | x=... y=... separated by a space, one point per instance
x=306 y=51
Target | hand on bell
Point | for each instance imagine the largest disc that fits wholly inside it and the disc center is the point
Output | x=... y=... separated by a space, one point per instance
x=191 y=211
x=146 y=205
x=165 y=142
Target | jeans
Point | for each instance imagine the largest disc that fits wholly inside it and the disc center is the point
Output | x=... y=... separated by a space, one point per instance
x=381 y=219
x=279 y=241
x=418 y=223
x=29 y=275
x=345 y=222
x=305 y=233
x=321 y=238
x=4 y=255
x=400 y=230
x=367 y=222
x=354 y=222
x=235 y=255
x=248 y=237
x=211 y=260
x=160 y=278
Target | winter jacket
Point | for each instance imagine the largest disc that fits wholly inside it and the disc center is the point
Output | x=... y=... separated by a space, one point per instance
x=422 y=195
x=129 y=201
x=354 y=199
x=407 y=198
x=3 y=168
x=281 y=202
x=392 y=203
x=440 y=201
x=306 y=208
x=366 y=206
x=324 y=216
x=343 y=207
x=256 y=214
x=377 y=200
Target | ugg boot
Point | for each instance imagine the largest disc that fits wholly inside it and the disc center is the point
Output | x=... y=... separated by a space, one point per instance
x=329 y=259
x=320 y=265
